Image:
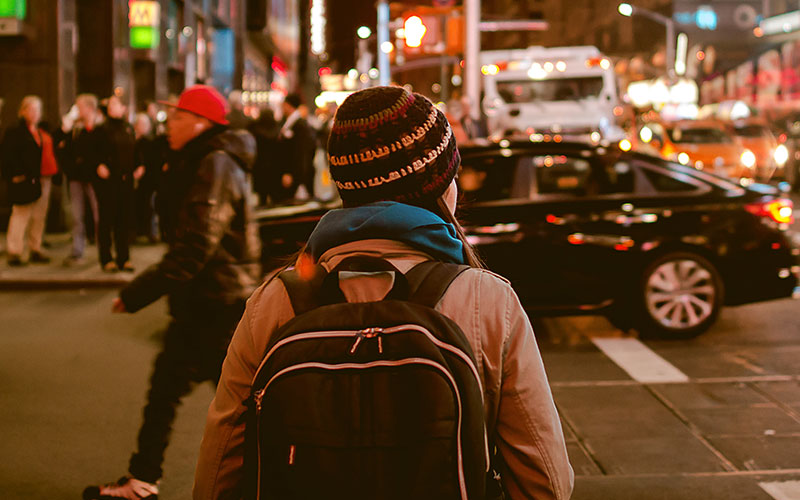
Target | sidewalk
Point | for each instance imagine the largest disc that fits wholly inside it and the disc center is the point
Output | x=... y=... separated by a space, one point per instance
x=85 y=275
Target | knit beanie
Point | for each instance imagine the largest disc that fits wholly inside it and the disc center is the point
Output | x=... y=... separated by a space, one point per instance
x=387 y=144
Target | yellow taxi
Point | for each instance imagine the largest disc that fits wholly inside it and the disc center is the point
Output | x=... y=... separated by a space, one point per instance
x=756 y=136
x=707 y=145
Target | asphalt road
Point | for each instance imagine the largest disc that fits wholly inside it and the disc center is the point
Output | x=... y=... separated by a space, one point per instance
x=73 y=379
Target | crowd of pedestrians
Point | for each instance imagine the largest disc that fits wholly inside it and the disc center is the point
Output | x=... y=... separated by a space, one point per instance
x=112 y=172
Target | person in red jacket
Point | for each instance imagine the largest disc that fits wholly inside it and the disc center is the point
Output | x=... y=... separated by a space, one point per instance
x=29 y=164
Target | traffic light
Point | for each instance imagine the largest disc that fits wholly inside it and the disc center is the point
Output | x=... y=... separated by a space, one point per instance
x=414 y=30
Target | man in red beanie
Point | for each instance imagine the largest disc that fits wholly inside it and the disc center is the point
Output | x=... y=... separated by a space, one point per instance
x=209 y=270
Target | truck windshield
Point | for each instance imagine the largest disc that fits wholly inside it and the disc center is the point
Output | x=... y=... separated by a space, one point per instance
x=557 y=89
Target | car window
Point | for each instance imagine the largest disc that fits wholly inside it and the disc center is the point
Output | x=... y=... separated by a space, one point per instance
x=698 y=135
x=559 y=174
x=663 y=182
x=490 y=178
x=752 y=131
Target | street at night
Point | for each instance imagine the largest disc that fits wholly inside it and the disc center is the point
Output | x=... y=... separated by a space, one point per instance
x=400 y=250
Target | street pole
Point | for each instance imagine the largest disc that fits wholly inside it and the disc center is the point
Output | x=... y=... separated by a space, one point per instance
x=384 y=77
x=670 y=49
x=472 y=53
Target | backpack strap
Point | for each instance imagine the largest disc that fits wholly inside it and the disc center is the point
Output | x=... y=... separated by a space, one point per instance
x=429 y=280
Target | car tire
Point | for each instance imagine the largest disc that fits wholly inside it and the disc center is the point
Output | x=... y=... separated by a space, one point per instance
x=679 y=297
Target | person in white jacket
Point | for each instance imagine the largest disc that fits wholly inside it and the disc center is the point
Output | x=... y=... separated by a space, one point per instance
x=394 y=160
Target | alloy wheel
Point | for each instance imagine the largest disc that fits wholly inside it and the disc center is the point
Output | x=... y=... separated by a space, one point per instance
x=680 y=294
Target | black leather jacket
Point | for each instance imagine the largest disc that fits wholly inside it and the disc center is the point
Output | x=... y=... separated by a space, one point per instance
x=214 y=249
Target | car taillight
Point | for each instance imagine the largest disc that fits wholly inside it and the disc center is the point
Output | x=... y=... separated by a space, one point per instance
x=780 y=211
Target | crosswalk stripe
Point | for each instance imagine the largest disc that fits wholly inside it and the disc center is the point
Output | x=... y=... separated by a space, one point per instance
x=782 y=490
x=639 y=361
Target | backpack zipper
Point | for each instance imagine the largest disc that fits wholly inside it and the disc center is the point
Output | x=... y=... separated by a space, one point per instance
x=361 y=366
x=379 y=332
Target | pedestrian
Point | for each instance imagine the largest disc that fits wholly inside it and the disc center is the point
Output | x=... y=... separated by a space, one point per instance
x=150 y=155
x=297 y=147
x=403 y=214
x=85 y=149
x=236 y=116
x=114 y=188
x=266 y=174
x=208 y=271
x=29 y=164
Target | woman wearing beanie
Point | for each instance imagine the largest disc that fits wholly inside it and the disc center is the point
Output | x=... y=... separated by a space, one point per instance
x=394 y=160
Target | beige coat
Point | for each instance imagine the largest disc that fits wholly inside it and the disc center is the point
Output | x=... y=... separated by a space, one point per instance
x=519 y=406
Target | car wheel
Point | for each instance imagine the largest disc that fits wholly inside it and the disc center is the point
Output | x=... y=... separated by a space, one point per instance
x=680 y=297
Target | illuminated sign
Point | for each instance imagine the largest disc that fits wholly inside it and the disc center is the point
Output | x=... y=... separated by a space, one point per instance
x=318 y=22
x=144 y=19
x=13 y=8
x=705 y=18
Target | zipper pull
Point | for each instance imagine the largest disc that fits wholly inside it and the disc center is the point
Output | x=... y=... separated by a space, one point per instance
x=359 y=337
x=291 y=454
x=257 y=397
x=380 y=345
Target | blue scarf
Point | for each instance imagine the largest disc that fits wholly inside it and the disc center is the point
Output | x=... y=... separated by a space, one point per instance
x=389 y=220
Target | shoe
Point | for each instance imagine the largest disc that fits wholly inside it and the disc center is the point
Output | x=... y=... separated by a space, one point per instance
x=110 y=267
x=127 y=267
x=16 y=260
x=127 y=487
x=73 y=260
x=39 y=258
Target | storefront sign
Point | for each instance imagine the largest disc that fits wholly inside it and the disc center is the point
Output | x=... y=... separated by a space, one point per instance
x=144 y=19
x=13 y=8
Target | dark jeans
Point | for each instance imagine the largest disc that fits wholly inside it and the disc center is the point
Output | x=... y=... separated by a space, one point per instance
x=194 y=348
x=115 y=203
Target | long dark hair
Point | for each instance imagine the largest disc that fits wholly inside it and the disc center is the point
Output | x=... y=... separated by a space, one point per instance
x=470 y=254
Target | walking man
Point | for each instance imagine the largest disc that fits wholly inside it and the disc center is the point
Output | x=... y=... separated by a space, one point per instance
x=209 y=270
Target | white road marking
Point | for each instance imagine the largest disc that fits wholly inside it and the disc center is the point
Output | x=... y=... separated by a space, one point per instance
x=641 y=363
x=782 y=490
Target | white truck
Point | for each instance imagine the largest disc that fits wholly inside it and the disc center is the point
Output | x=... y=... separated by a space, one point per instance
x=571 y=91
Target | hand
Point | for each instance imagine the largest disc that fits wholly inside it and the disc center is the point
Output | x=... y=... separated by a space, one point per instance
x=17 y=179
x=118 y=306
x=286 y=180
x=103 y=172
x=139 y=172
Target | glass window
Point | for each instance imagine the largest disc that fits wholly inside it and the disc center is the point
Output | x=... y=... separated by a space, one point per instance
x=557 y=89
x=752 y=131
x=699 y=135
x=561 y=174
x=490 y=178
x=665 y=183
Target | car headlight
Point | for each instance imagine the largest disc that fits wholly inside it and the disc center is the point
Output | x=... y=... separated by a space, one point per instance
x=748 y=158
x=781 y=155
x=683 y=158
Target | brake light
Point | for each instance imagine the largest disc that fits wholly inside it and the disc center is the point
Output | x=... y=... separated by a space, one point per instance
x=780 y=211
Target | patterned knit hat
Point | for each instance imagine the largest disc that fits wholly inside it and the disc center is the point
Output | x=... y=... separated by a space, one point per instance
x=389 y=144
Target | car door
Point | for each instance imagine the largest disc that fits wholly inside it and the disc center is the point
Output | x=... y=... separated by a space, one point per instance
x=519 y=213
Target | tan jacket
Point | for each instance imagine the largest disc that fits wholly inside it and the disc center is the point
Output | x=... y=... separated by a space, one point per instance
x=519 y=406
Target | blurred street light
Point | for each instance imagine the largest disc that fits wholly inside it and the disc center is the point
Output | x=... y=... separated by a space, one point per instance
x=387 y=47
x=414 y=31
x=364 y=32
x=629 y=10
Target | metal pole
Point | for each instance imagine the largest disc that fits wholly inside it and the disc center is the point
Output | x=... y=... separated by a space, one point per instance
x=670 y=48
x=472 y=53
x=383 y=36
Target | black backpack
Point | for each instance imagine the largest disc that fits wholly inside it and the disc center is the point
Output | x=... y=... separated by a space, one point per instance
x=377 y=400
